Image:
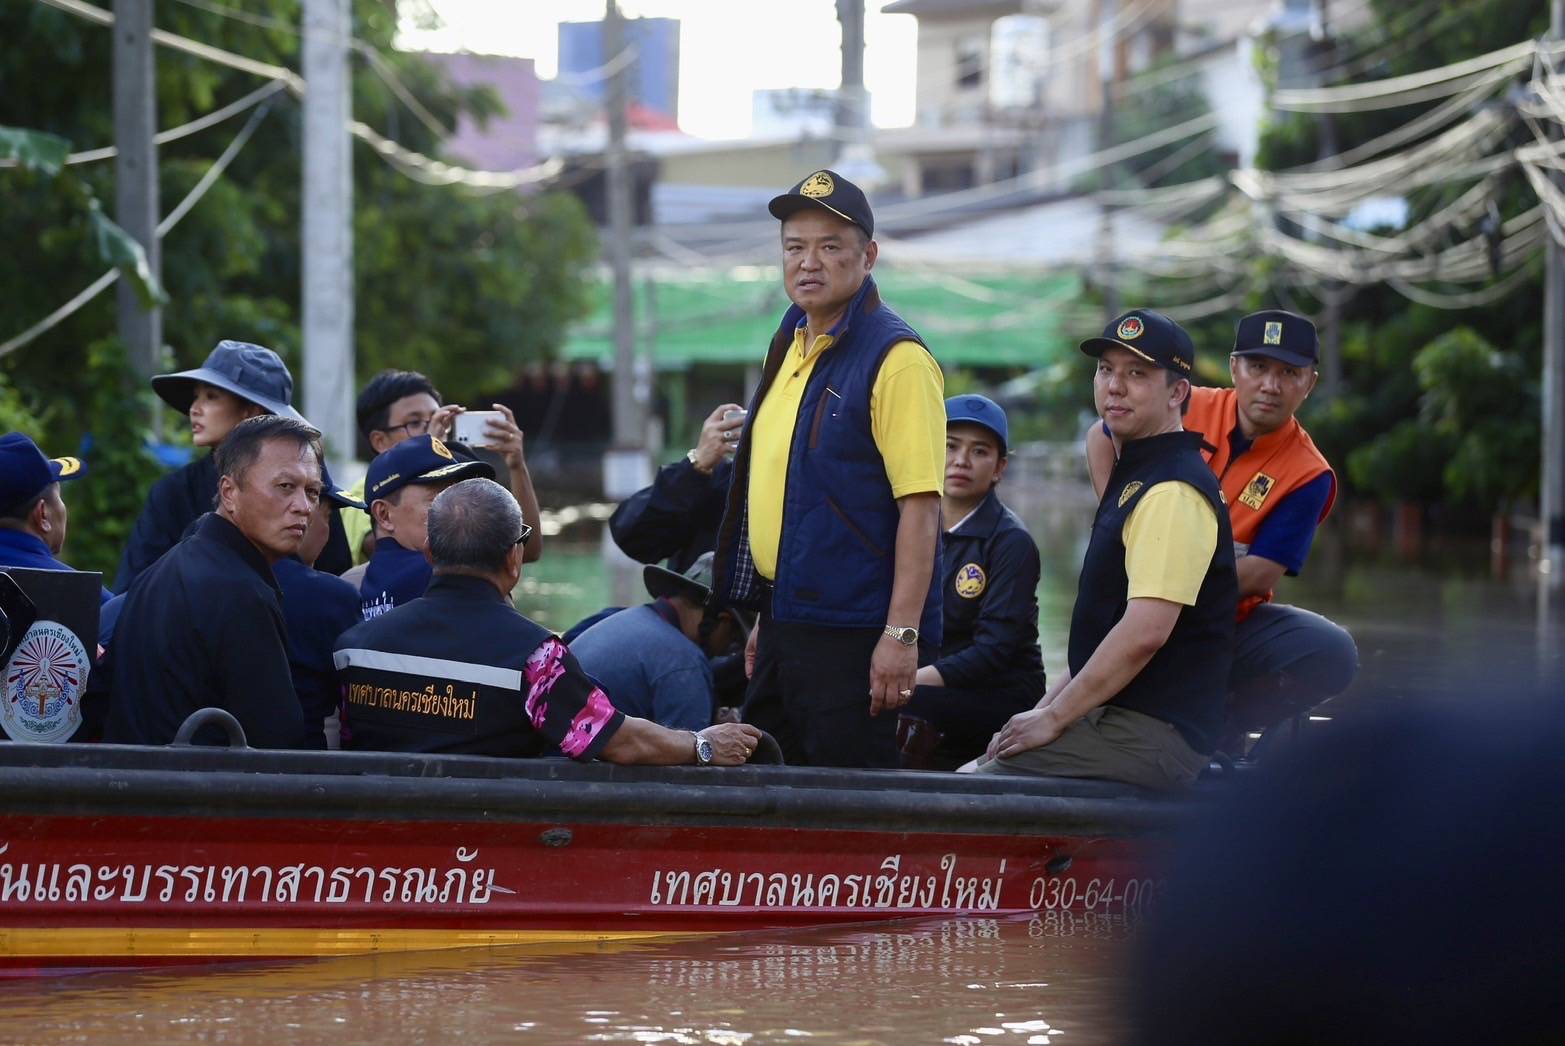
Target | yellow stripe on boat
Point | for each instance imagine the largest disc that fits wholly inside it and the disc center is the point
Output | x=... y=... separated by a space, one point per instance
x=161 y=942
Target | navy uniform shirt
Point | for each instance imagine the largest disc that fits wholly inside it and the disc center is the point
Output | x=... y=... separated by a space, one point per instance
x=990 y=576
x=18 y=548
x=676 y=518
x=649 y=667
x=203 y=626
x=462 y=670
x=317 y=608
x=394 y=576
x=173 y=504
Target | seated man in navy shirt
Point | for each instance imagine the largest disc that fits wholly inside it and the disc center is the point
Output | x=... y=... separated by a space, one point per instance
x=654 y=660
x=399 y=487
x=317 y=608
x=459 y=669
x=32 y=512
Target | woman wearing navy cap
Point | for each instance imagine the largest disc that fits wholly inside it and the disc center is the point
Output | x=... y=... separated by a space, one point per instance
x=237 y=381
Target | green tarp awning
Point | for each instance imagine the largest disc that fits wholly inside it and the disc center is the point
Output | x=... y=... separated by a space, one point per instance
x=727 y=318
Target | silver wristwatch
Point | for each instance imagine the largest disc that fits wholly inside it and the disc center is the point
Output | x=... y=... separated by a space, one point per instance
x=703 y=750
x=905 y=636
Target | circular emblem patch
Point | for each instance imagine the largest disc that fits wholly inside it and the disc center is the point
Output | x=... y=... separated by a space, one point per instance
x=817 y=185
x=1130 y=328
x=440 y=448
x=970 y=581
x=44 y=681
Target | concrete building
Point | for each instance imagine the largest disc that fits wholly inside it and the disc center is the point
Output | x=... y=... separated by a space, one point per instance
x=655 y=76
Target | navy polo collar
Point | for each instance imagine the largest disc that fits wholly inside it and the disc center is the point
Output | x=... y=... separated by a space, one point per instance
x=982 y=521
x=463 y=586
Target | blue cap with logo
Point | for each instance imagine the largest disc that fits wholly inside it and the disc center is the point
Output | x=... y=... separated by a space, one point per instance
x=422 y=459
x=251 y=372
x=1150 y=335
x=828 y=191
x=337 y=495
x=980 y=410
x=25 y=471
x=1284 y=336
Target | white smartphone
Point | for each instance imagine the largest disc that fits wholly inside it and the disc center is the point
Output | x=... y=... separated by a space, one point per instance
x=472 y=427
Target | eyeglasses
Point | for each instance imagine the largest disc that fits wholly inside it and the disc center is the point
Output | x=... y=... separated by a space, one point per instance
x=527 y=532
x=416 y=427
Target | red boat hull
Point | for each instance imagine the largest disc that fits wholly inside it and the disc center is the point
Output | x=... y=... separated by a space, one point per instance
x=190 y=871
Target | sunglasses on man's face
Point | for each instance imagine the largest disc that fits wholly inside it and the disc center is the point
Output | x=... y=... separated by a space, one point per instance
x=527 y=532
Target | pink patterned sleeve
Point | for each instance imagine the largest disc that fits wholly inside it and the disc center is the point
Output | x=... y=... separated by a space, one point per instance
x=565 y=705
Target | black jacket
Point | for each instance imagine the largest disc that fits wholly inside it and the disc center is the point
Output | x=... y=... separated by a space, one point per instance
x=174 y=502
x=990 y=576
x=676 y=518
x=204 y=626
x=317 y=608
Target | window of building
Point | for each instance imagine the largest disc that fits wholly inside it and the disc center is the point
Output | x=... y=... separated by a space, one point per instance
x=969 y=63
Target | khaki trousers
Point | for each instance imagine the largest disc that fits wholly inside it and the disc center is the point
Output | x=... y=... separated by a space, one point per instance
x=1112 y=744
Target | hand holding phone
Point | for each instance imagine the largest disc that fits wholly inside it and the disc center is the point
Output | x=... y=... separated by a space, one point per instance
x=472 y=427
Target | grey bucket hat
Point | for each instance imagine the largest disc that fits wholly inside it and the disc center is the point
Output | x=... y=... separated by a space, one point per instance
x=251 y=372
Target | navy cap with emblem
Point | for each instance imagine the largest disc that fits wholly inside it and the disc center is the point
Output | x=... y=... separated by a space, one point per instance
x=25 y=472
x=422 y=459
x=1284 y=336
x=980 y=410
x=1150 y=335
x=829 y=191
x=251 y=372
x=336 y=495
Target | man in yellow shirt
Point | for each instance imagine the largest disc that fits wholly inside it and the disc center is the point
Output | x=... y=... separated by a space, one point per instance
x=832 y=525
x=1151 y=636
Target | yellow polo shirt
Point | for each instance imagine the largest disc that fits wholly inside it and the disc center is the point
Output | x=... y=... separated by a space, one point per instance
x=356 y=525
x=1169 y=540
x=907 y=413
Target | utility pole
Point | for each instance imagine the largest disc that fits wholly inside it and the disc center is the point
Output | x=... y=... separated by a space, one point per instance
x=1107 y=69
x=626 y=468
x=1552 y=486
x=327 y=235
x=855 y=152
x=136 y=174
x=1333 y=293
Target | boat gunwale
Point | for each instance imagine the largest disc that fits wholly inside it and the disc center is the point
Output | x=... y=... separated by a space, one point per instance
x=52 y=780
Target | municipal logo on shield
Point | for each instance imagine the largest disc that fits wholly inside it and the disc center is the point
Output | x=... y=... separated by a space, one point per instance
x=44 y=681
x=1272 y=335
x=970 y=581
x=1130 y=328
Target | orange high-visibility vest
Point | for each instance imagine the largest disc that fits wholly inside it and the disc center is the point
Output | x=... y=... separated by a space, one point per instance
x=1276 y=465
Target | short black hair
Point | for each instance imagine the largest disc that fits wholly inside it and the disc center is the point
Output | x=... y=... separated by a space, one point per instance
x=14 y=517
x=373 y=408
x=242 y=447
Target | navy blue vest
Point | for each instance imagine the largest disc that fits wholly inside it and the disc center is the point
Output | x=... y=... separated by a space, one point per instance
x=836 y=556
x=1186 y=682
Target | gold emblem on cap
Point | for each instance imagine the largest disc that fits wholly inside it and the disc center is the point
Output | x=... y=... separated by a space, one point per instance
x=1130 y=328
x=1129 y=492
x=68 y=466
x=817 y=185
x=440 y=448
x=1273 y=334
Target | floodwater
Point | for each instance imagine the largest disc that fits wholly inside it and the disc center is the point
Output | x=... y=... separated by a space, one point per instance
x=1432 y=623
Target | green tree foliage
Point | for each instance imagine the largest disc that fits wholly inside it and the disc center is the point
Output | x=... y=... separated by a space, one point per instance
x=1438 y=406
x=466 y=287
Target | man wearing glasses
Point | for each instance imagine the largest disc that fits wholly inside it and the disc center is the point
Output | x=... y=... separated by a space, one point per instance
x=461 y=670
x=398 y=405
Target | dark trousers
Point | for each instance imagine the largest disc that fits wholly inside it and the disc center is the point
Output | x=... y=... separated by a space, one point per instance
x=810 y=691
x=968 y=719
x=1286 y=661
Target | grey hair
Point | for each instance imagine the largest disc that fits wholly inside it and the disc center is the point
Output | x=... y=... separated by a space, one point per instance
x=472 y=526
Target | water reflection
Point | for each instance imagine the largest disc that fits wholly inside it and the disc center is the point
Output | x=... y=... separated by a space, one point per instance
x=1049 y=979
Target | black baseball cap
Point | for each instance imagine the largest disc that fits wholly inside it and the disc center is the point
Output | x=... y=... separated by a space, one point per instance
x=1284 y=336
x=829 y=191
x=1150 y=335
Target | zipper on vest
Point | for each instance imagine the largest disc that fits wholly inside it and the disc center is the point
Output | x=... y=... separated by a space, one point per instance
x=855 y=529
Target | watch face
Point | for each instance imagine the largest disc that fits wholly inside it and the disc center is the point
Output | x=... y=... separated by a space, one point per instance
x=703 y=750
